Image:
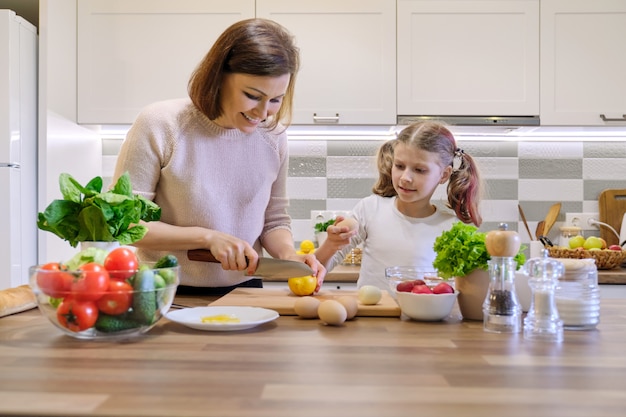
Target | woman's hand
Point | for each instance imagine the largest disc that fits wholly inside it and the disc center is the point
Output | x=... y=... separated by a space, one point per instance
x=233 y=253
x=319 y=271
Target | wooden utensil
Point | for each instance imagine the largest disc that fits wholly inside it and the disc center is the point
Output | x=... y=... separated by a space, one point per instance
x=551 y=217
x=541 y=225
x=521 y=213
x=282 y=301
x=612 y=206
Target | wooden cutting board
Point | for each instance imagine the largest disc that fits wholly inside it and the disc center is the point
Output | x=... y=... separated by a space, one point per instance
x=282 y=301
x=611 y=207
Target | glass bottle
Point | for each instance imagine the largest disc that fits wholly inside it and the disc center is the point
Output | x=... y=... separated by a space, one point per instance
x=542 y=321
x=502 y=312
x=577 y=294
x=568 y=232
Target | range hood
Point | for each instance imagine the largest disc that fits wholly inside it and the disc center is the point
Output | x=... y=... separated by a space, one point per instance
x=479 y=125
x=509 y=121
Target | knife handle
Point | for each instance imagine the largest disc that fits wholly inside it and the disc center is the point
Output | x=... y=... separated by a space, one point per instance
x=203 y=255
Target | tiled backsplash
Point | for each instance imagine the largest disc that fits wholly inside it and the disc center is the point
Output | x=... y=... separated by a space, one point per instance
x=335 y=174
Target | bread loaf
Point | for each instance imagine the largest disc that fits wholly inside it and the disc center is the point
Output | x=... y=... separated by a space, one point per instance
x=17 y=299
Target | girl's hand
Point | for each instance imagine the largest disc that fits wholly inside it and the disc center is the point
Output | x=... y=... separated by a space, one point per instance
x=339 y=236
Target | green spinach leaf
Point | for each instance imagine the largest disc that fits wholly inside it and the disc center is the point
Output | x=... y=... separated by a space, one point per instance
x=87 y=214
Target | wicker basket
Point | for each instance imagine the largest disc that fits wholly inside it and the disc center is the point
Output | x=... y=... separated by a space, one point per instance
x=605 y=259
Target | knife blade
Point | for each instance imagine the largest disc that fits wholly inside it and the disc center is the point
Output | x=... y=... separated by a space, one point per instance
x=266 y=267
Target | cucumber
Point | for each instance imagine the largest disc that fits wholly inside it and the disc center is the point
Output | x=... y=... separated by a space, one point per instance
x=163 y=267
x=167 y=261
x=168 y=275
x=110 y=324
x=144 y=300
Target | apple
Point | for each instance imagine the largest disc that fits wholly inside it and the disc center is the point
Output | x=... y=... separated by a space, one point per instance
x=443 y=288
x=593 y=242
x=615 y=247
x=576 y=242
x=422 y=289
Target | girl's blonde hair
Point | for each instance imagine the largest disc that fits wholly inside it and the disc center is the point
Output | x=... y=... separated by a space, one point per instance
x=465 y=184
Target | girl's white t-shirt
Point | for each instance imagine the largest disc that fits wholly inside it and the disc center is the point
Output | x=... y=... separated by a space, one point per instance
x=390 y=238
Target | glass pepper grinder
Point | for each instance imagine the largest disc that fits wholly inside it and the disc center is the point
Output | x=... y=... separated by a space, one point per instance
x=542 y=321
x=502 y=312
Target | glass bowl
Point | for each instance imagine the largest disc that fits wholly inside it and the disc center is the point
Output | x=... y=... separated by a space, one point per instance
x=132 y=303
x=397 y=274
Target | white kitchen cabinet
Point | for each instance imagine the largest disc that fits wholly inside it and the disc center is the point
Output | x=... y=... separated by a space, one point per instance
x=131 y=53
x=583 y=64
x=468 y=57
x=347 y=47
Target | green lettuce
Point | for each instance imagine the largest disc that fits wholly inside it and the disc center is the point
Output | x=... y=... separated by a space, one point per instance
x=86 y=214
x=462 y=249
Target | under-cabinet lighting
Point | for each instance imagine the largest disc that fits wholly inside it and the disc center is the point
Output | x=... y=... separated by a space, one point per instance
x=466 y=133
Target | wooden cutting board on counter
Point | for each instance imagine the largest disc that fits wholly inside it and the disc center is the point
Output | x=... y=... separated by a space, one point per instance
x=611 y=209
x=282 y=301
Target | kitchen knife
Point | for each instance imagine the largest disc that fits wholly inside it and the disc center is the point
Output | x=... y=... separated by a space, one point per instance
x=267 y=267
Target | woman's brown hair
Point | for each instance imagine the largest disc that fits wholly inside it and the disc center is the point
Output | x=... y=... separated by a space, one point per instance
x=258 y=47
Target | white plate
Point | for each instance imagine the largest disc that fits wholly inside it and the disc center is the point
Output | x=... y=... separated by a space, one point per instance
x=248 y=317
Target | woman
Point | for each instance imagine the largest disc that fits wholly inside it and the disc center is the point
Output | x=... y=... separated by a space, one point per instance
x=216 y=163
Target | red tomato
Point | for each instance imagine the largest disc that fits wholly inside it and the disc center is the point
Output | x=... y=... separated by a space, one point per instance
x=123 y=261
x=92 y=283
x=54 y=282
x=118 y=299
x=77 y=315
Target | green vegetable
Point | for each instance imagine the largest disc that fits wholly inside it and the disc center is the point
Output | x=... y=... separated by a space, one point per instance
x=87 y=214
x=144 y=300
x=167 y=261
x=462 y=249
x=168 y=275
x=106 y=323
x=321 y=227
x=85 y=256
x=159 y=282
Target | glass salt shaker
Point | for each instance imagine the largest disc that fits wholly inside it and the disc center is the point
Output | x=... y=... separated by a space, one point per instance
x=502 y=312
x=577 y=294
x=542 y=321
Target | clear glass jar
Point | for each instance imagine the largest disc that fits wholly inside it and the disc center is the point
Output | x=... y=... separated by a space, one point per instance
x=577 y=294
x=568 y=232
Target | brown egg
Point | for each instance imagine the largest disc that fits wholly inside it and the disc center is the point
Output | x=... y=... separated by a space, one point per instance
x=349 y=222
x=306 y=307
x=351 y=305
x=332 y=312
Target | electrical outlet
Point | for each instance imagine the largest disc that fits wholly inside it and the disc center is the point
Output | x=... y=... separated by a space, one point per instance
x=582 y=220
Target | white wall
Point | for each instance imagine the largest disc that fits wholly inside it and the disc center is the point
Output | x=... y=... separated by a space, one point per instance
x=63 y=145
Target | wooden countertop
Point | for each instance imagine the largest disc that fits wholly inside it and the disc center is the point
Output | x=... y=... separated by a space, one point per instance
x=298 y=368
x=350 y=273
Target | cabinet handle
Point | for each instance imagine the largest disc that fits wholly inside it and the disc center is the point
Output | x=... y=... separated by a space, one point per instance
x=608 y=119
x=327 y=119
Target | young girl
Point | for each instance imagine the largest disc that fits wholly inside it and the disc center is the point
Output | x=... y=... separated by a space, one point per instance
x=398 y=224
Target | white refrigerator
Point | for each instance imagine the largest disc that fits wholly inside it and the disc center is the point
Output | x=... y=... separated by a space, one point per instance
x=18 y=149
